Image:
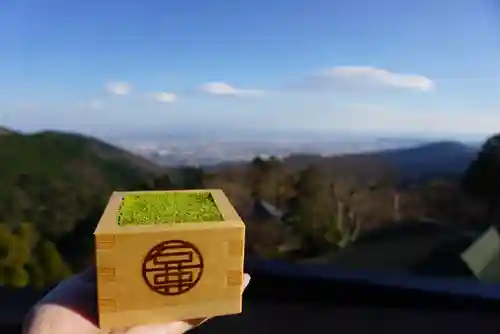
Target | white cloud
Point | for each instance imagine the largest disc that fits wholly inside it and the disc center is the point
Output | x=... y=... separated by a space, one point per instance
x=355 y=77
x=224 y=89
x=165 y=97
x=118 y=88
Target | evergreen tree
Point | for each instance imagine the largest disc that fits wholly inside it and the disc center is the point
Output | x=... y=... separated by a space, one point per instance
x=482 y=178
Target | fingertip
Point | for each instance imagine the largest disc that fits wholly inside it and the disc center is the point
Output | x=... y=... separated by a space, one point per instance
x=246 y=280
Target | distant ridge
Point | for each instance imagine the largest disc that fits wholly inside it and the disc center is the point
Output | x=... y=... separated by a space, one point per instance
x=6 y=131
x=52 y=157
x=419 y=162
x=109 y=152
x=428 y=160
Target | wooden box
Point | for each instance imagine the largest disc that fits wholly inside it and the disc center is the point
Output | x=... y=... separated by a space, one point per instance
x=158 y=273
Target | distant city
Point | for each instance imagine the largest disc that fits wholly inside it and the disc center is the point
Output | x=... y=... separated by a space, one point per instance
x=209 y=151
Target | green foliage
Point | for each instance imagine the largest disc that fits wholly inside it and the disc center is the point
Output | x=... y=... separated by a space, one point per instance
x=28 y=258
x=18 y=251
x=52 y=263
x=54 y=188
x=482 y=178
x=267 y=179
x=258 y=169
x=192 y=178
x=36 y=274
x=162 y=182
x=168 y=208
x=5 y=236
x=53 y=179
x=28 y=234
x=78 y=245
x=17 y=277
x=309 y=209
x=59 y=183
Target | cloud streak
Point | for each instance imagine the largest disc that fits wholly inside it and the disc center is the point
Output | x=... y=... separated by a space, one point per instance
x=361 y=77
x=224 y=89
x=119 y=88
x=165 y=97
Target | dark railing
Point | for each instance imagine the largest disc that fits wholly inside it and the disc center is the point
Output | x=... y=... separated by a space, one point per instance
x=293 y=298
x=326 y=284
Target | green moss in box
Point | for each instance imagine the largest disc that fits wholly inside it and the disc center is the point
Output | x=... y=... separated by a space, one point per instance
x=168 y=208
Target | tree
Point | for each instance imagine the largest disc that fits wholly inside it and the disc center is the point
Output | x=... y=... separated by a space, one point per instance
x=269 y=181
x=482 y=178
x=28 y=234
x=15 y=252
x=16 y=277
x=192 y=177
x=257 y=170
x=162 y=182
x=18 y=253
x=5 y=235
x=77 y=245
x=36 y=274
x=16 y=206
x=345 y=224
x=345 y=228
x=309 y=211
x=54 y=267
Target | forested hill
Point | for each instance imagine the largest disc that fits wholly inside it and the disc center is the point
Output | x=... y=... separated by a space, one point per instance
x=435 y=158
x=50 y=151
x=61 y=171
x=422 y=162
x=5 y=131
x=430 y=160
x=55 y=185
x=53 y=189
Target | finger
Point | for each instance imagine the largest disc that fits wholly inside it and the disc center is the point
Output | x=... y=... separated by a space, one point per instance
x=78 y=294
x=246 y=281
x=69 y=307
x=55 y=319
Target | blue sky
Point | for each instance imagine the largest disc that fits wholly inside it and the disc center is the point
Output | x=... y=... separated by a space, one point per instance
x=360 y=66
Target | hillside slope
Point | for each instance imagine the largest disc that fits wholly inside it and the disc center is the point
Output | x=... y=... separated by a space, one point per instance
x=51 y=154
x=423 y=161
x=5 y=131
x=53 y=179
x=439 y=158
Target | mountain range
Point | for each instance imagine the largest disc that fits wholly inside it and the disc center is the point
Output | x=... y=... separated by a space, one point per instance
x=69 y=153
x=420 y=162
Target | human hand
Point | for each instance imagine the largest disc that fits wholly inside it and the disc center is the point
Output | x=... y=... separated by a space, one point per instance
x=71 y=308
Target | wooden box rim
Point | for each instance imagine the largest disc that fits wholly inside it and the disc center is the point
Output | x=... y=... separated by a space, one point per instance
x=108 y=224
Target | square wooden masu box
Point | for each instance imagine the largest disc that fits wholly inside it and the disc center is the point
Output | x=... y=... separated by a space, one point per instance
x=161 y=273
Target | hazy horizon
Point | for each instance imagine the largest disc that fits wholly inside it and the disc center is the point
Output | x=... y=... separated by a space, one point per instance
x=260 y=135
